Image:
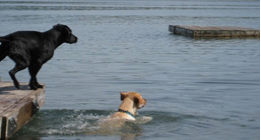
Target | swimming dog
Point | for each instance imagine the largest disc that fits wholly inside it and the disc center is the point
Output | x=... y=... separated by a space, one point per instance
x=131 y=102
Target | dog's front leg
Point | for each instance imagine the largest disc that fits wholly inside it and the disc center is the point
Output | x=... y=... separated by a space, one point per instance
x=33 y=70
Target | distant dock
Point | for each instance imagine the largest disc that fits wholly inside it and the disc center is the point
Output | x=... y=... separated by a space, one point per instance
x=214 y=31
x=17 y=107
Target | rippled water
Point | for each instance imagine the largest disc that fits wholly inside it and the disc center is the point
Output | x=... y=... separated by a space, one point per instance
x=196 y=89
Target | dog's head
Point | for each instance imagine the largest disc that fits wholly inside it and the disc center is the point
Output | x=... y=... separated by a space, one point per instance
x=66 y=33
x=139 y=102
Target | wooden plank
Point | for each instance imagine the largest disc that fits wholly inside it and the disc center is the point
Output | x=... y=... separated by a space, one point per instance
x=1 y=120
x=213 y=31
x=17 y=107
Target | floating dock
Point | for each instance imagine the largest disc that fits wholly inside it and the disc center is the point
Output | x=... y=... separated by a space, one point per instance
x=214 y=31
x=17 y=107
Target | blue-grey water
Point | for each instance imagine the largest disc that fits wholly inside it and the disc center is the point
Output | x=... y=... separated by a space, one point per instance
x=200 y=89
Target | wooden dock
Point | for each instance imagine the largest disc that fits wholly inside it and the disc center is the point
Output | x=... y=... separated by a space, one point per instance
x=214 y=31
x=17 y=107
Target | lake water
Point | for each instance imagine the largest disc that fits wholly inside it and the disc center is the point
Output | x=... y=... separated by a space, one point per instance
x=200 y=89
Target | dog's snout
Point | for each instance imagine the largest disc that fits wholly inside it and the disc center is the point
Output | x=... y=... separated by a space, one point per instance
x=76 y=39
x=72 y=39
x=145 y=101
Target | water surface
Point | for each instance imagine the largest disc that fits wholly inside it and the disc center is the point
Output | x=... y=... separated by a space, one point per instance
x=196 y=89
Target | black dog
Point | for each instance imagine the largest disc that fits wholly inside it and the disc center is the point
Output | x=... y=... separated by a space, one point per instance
x=32 y=49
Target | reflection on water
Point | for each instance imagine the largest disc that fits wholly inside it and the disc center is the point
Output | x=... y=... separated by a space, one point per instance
x=196 y=89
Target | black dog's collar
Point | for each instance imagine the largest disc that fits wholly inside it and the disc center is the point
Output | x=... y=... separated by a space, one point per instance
x=127 y=112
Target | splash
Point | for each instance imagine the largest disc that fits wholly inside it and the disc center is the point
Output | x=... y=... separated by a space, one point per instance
x=82 y=122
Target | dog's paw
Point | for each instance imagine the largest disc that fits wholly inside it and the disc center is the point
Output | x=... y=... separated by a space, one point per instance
x=17 y=85
x=39 y=86
x=33 y=88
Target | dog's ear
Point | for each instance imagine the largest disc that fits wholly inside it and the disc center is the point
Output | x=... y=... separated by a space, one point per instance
x=136 y=101
x=63 y=28
x=57 y=26
x=139 y=102
x=123 y=95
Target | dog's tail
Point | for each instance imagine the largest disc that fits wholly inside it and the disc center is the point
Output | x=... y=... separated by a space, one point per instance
x=3 y=49
x=4 y=39
x=3 y=54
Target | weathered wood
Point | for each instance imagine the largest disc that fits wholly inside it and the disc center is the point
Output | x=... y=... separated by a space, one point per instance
x=17 y=107
x=213 y=31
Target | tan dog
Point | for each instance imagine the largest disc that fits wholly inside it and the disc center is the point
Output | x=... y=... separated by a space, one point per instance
x=131 y=102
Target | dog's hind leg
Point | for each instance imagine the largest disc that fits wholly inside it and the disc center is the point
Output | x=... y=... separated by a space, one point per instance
x=21 y=62
x=33 y=70
x=18 y=67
